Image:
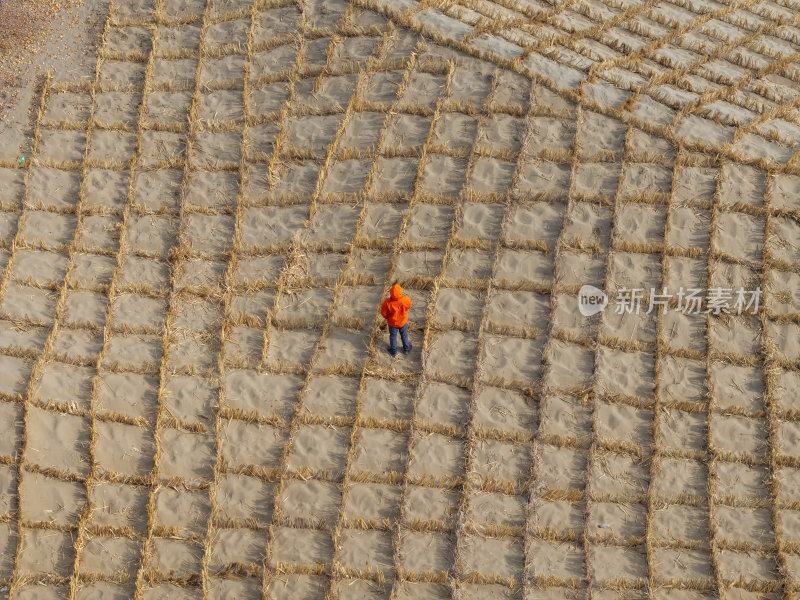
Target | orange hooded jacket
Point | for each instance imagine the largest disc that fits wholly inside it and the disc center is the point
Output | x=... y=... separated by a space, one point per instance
x=395 y=308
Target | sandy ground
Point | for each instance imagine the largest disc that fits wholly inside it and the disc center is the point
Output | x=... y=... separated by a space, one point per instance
x=195 y=397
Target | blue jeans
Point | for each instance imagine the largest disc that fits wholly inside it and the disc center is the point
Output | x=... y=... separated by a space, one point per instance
x=393 y=338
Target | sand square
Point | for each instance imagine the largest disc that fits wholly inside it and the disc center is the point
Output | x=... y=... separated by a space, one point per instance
x=596 y=181
x=394 y=175
x=575 y=268
x=28 y=304
x=562 y=468
x=186 y=454
x=246 y=443
x=158 y=190
x=518 y=308
x=443 y=175
x=301 y=546
x=747 y=525
x=244 y=346
x=268 y=394
x=47 y=230
x=107 y=147
x=372 y=501
x=682 y=379
x=785 y=335
x=237 y=546
x=681 y=430
x=614 y=563
x=197 y=313
x=587 y=223
x=52 y=188
x=747 y=566
x=311 y=502
x=644 y=180
x=468 y=265
x=183 y=509
x=741 y=481
x=67 y=106
x=56 y=146
x=676 y=477
x=379 y=221
x=636 y=327
x=437 y=456
x=190 y=398
x=363 y=130
x=320 y=447
x=619 y=474
x=493 y=556
x=138 y=312
x=673 y=522
x=270 y=225
x=564 y=561
x=345 y=177
x=458 y=308
x=455 y=131
x=216 y=150
x=142 y=272
x=689 y=227
x=125 y=449
x=297 y=587
x=357 y=305
x=492 y=175
x=746 y=184
x=521 y=266
x=243 y=497
x=331 y=396
x=738 y=435
x=737 y=335
x=631 y=271
x=110 y=556
x=267 y=99
x=641 y=223
x=459 y=358
x=46 y=551
x=151 y=235
x=682 y=564
x=333 y=224
x=121 y=74
x=504 y=132
x=162 y=150
x=386 y=399
x=601 y=138
x=739 y=235
x=502 y=461
x=129 y=394
x=367 y=549
x=69 y=385
x=177 y=558
x=119 y=505
x=624 y=423
x=431 y=504
x=424 y=88
x=497 y=409
x=426 y=552
x=381 y=451
x=221 y=71
x=51 y=500
x=57 y=440
x=133 y=352
x=513 y=360
x=628 y=521
x=429 y=223
x=629 y=373
x=192 y=352
x=99 y=234
x=565 y=416
x=209 y=234
x=112 y=108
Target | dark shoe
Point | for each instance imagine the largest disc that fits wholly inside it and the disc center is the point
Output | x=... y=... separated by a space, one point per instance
x=407 y=350
x=392 y=352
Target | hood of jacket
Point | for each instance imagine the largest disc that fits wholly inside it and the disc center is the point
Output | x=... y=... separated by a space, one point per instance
x=396 y=291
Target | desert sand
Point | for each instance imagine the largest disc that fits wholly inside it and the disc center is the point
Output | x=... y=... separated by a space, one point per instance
x=195 y=395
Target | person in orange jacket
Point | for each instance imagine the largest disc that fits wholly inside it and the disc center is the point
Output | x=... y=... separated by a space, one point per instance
x=395 y=310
